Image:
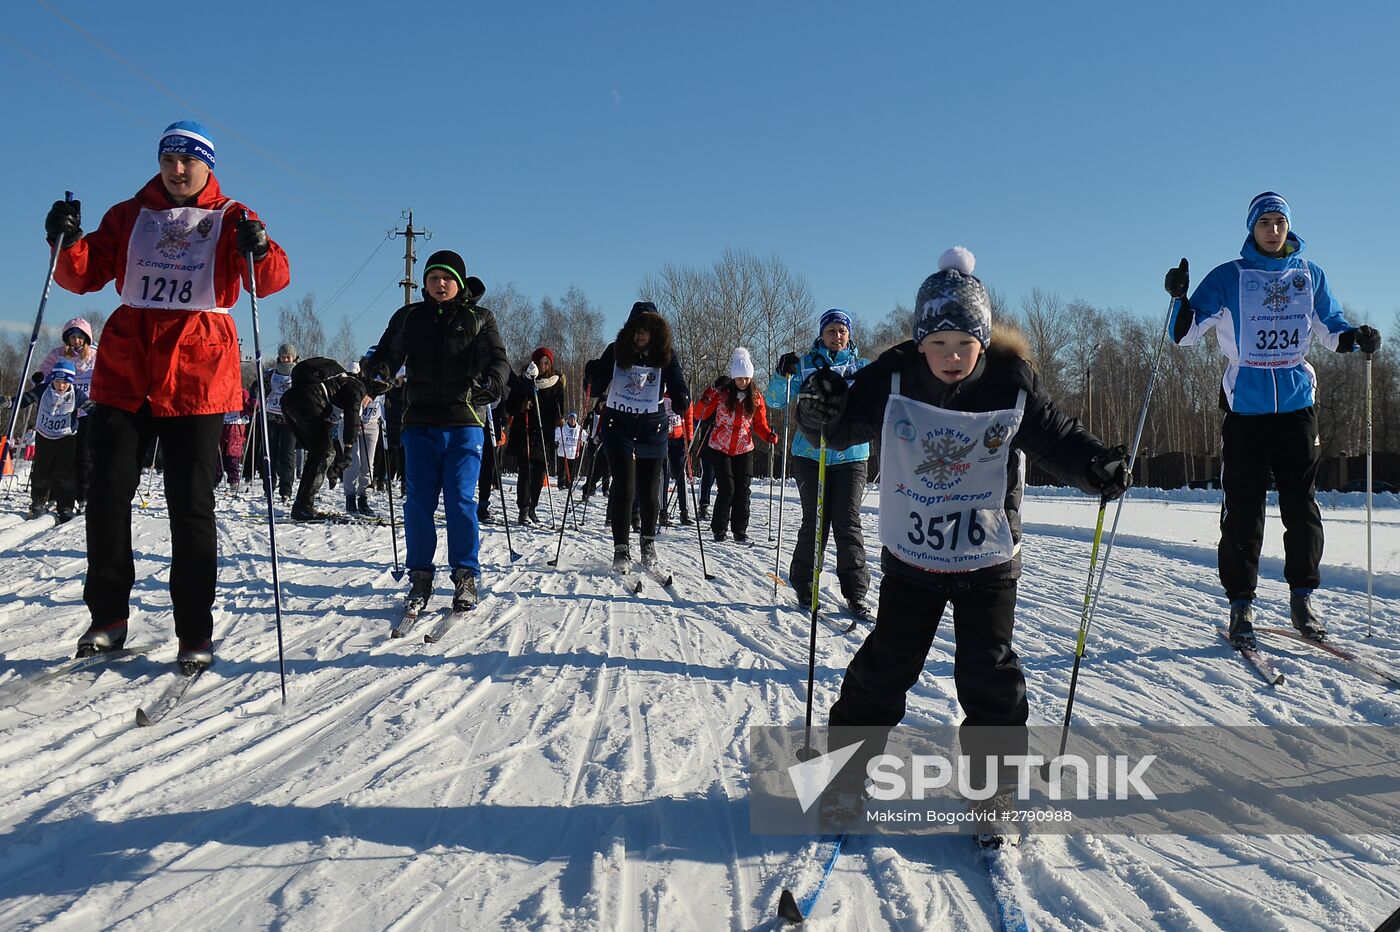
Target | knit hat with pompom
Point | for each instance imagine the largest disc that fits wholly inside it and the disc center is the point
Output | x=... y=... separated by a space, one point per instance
x=954 y=299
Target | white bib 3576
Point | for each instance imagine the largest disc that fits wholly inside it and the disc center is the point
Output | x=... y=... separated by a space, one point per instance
x=943 y=484
x=170 y=259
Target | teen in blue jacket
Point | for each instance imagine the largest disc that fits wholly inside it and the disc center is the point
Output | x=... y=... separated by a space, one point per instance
x=1266 y=309
x=845 y=469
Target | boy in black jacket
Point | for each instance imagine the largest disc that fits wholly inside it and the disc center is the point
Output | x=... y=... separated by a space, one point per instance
x=957 y=412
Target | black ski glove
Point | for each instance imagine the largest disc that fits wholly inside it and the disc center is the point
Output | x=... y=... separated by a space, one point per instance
x=1178 y=280
x=65 y=220
x=1108 y=472
x=252 y=237
x=789 y=364
x=483 y=393
x=1368 y=339
x=822 y=399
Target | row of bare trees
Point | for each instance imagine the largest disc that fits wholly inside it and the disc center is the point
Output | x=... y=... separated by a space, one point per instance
x=1095 y=362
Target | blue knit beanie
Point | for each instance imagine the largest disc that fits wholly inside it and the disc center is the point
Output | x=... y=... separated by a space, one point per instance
x=1268 y=201
x=834 y=316
x=188 y=138
x=63 y=369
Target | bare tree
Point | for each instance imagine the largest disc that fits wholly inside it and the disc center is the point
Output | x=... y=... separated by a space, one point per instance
x=343 y=348
x=300 y=325
x=517 y=320
x=1046 y=321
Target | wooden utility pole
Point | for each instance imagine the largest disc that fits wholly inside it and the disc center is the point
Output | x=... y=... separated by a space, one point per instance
x=409 y=282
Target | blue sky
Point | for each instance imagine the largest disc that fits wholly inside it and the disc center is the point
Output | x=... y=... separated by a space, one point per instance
x=1080 y=147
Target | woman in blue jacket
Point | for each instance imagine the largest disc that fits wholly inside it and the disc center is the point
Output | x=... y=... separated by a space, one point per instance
x=845 y=469
x=1266 y=309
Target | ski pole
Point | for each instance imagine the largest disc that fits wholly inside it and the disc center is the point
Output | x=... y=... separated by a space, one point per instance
x=267 y=465
x=770 y=486
x=544 y=449
x=782 y=492
x=496 y=468
x=568 y=499
x=150 y=476
x=1087 y=617
x=807 y=752
x=695 y=503
x=397 y=572
x=34 y=338
x=1370 y=614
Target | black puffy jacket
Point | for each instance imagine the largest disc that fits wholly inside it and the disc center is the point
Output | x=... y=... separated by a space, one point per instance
x=1055 y=440
x=447 y=349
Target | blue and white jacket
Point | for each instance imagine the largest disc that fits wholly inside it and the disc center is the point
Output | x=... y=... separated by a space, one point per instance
x=1266 y=313
x=845 y=363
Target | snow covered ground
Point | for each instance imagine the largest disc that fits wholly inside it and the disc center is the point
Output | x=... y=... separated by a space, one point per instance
x=574 y=757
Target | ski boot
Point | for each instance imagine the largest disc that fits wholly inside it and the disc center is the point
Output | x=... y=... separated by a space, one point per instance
x=65 y=515
x=362 y=506
x=858 y=607
x=803 y=591
x=464 y=597
x=649 y=552
x=841 y=806
x=350 y=507
x=420 y=590
x=622 y=558
x=99 y=639
x=740 y=537
x=994 y=830
x=685 y=519
x=195 y=657
x=37 y=510
x=1242 y=625
x=1305 y=619
x=301 y=512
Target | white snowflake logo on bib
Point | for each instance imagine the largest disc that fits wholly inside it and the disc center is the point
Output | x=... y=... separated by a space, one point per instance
x=174 y=239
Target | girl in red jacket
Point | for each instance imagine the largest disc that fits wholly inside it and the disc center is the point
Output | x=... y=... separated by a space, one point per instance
x=739 y=413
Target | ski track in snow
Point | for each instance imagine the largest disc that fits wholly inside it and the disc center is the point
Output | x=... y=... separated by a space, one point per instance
x=571 y=756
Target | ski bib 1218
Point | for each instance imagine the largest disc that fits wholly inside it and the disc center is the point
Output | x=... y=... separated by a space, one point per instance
x=943 y=480
x=170 y=259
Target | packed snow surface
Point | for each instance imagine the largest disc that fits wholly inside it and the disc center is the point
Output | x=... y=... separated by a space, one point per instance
x=574 y=757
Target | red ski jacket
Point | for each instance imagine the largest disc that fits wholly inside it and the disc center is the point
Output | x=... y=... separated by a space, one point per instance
x=182 y=361
x=733 y=430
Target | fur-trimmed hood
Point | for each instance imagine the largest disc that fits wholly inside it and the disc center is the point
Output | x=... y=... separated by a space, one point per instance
x=658 y=352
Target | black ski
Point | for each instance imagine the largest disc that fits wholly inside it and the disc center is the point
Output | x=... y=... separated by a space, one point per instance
x=439 y=630
x=1255 y=659
x=169 y=697
x=15 y=690
x=406 y=624
x=1346 y=656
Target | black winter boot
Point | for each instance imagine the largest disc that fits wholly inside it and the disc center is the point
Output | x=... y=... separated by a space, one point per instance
x=1304 y=617
x=464 y=597
x=1242 y=625
x=420 y=590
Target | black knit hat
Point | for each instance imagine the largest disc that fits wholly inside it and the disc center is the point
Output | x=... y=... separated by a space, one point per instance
x=449 y=261
x=642 y=307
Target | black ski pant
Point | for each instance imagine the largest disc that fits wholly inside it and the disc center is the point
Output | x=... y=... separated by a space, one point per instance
x=82 y=459
x=632 y=477
x=52 y=475
x=845 y=485
x=987 y=673
x=675 y=457
x=1253 y=445
x=732 y=477
x=191 y=450
x=599 y=470
x=306 y=413
x=531 y=482
x=282 y=448
x=568 y=469
x=485 y=479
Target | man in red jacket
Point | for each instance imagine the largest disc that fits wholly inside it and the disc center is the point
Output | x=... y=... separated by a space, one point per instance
x=177 y=254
